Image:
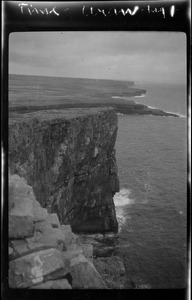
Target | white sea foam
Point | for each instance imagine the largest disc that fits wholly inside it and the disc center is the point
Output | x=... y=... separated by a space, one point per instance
x=152 y=107
x=149 y=106
x=140 y=96
x=181 y=116
x=121 y=200
x=169 y=112
x=124 y=98
x=115 y=97
x=178 y=114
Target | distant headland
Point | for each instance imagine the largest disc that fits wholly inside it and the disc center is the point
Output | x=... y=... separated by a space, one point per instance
x=33 y=93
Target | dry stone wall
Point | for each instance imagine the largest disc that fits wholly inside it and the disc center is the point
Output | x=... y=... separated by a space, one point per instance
x=43 y=254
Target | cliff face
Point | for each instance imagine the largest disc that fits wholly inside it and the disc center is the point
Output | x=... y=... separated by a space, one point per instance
x=68 y=158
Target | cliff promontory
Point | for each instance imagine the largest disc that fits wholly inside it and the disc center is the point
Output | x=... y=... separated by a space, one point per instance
x=68 y=158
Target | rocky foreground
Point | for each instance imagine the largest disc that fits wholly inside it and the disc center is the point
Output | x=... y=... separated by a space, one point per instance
x=43 y=254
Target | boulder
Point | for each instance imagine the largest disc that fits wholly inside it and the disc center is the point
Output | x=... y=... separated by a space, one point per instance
x=66 y=229
x=43 y=226
x=20 y=226
x=53 y=238
x=70 y=237
x=74 y=247
x=62 y=284
x=10 y=251
x=73 y=250
x=21 y=215
x=53 y=220
x=84 y=274
x=23 y=247
x=30 y=269
x=40 y=213
x=88 y=251
x=21 y=197
x=58 y=274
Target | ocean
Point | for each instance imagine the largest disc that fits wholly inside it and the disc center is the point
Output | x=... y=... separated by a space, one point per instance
x=151 y=206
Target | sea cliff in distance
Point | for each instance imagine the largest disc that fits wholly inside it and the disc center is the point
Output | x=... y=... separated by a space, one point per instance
x=32 y=93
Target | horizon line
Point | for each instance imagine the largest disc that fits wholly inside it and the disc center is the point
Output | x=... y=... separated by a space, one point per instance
x=107 y=79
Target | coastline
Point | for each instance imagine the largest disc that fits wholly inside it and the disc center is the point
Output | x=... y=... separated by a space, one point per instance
x=38 y=94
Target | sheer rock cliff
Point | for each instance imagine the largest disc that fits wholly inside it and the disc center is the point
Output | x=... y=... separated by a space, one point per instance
x=68 y=158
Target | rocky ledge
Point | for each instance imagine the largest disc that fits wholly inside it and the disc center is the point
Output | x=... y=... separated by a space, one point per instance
x=68 y=158
x=43 y=254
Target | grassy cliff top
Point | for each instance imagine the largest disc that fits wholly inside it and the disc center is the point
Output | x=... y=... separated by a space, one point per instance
x=48 y=91
x=52 y=114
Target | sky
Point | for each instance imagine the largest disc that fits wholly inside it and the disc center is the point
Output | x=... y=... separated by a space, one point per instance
x=119 y=55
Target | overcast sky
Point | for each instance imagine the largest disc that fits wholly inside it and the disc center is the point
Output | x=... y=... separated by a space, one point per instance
x=137 y=56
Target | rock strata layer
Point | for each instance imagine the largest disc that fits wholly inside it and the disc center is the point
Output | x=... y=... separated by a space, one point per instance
x=68 y=158
x=49 y=255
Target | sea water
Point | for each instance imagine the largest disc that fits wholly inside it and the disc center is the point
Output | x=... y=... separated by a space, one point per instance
x=151 y=206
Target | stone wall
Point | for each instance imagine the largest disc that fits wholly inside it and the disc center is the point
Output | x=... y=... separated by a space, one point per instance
x=43 y=254
x=68 y=158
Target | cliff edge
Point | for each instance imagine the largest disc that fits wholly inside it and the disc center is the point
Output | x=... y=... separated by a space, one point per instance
x=68 y=158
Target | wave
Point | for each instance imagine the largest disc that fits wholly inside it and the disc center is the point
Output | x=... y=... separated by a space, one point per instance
x=149 y=106
x=140 y=96
x=121 y=200
x=169 y=112
x=182 y=116
x=152 y=107
x=116 y=97
x=178 y=114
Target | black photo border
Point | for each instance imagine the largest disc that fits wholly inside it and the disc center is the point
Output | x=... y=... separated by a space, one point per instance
x=26 y=16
